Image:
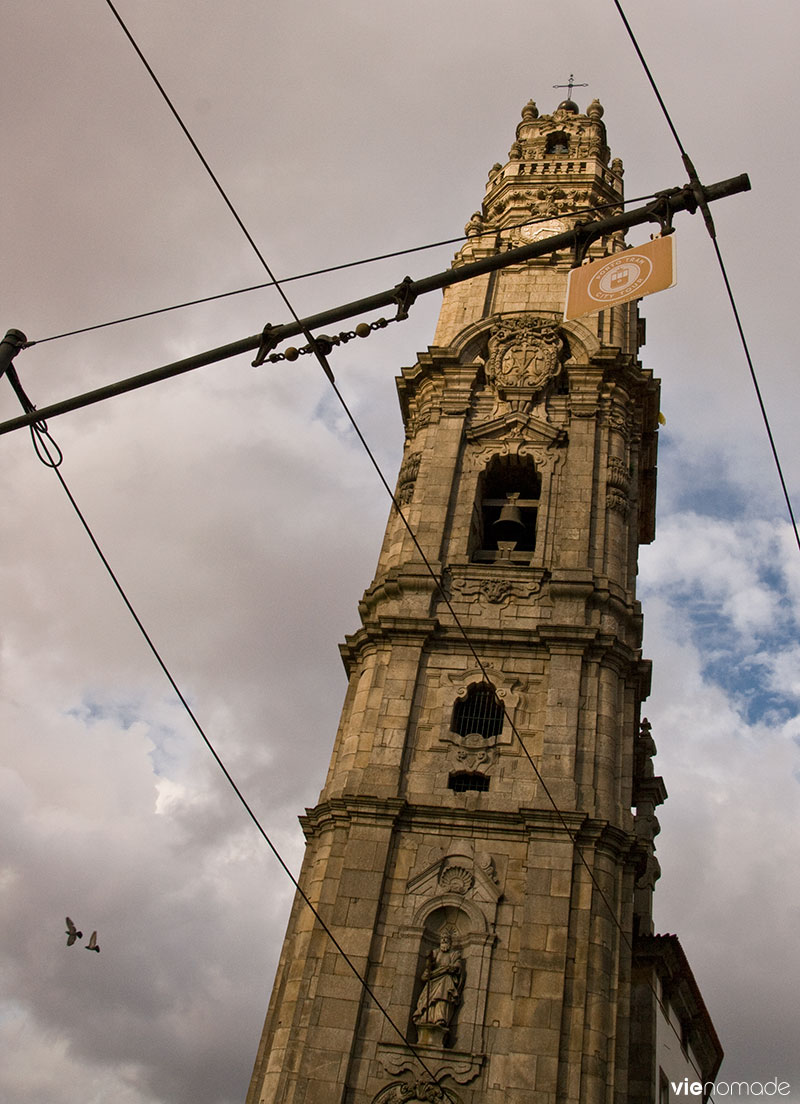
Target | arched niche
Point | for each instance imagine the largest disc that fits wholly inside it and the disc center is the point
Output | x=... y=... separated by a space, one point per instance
x=441 y=975
x=456 y=893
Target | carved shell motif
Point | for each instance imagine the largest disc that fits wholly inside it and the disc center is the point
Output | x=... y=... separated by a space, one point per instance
x=457 y=879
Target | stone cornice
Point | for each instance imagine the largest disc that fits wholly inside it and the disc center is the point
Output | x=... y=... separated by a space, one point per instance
x=547 y=638
x=381 y=631
x=343 y=811
x=545 y=823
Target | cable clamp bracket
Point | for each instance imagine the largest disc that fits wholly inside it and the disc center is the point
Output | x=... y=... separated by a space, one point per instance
x=11 y=344
x=583 y=239
x=405 y=296
x=699 y=193
x=323 y=344
x=268 y=343
x=9 y=347
x=661 y=210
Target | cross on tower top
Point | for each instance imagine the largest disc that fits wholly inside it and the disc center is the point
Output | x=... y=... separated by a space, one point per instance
x=570 y=85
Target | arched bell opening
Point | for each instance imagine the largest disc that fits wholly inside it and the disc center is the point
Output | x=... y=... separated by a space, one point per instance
x=509 y=492
x=557 y=144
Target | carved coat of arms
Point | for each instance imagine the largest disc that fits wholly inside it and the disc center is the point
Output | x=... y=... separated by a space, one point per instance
x=523 y=355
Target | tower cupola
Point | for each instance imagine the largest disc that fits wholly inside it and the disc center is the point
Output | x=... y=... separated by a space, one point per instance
x=558 y=163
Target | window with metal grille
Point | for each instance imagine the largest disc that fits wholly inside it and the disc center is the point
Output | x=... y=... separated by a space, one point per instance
x=478 y=712
x=462 y=781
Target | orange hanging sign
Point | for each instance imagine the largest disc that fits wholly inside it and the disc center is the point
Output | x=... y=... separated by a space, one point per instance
x=624 y=276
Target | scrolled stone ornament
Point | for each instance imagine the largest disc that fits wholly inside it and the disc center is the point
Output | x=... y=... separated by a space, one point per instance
x=523 y=353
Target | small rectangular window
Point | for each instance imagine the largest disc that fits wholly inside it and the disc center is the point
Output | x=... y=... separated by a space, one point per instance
x=463 y=781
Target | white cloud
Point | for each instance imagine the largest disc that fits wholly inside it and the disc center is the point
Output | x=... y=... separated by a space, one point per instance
x=729 y=825
x=722 y=564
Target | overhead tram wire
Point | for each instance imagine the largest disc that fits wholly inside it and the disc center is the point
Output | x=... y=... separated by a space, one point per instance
x=754 y=378
x=728 y=288
x=709 y=222
x=317 y=352
x=650 y=77
x=322 y=359
x=676 y=202
x=324 y=272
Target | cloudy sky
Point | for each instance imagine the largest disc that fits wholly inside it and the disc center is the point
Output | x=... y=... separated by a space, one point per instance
x=244 y=520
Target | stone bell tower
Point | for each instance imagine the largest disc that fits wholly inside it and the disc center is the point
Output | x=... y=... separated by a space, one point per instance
x=472 y=899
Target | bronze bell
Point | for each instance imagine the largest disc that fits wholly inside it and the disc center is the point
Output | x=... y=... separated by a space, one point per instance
x=509 y=525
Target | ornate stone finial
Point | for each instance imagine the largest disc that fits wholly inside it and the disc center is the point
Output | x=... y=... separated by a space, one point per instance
x=595 y=111
x=496 y=167
x=530 y=112
x=475 y=225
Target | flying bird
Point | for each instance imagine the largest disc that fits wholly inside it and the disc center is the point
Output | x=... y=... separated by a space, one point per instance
x=92 y=944
x=72 y=933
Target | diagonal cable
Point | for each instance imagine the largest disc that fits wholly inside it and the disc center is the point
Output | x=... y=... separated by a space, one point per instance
x=322 y=359
x=709 y=222
x=54 y=461
x=757 y=389
x=712 y=234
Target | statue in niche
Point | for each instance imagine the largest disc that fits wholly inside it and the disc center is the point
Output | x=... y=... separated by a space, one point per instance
x=443 y=979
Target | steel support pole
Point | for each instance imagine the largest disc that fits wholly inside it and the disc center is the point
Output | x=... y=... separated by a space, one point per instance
x=661 y=210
